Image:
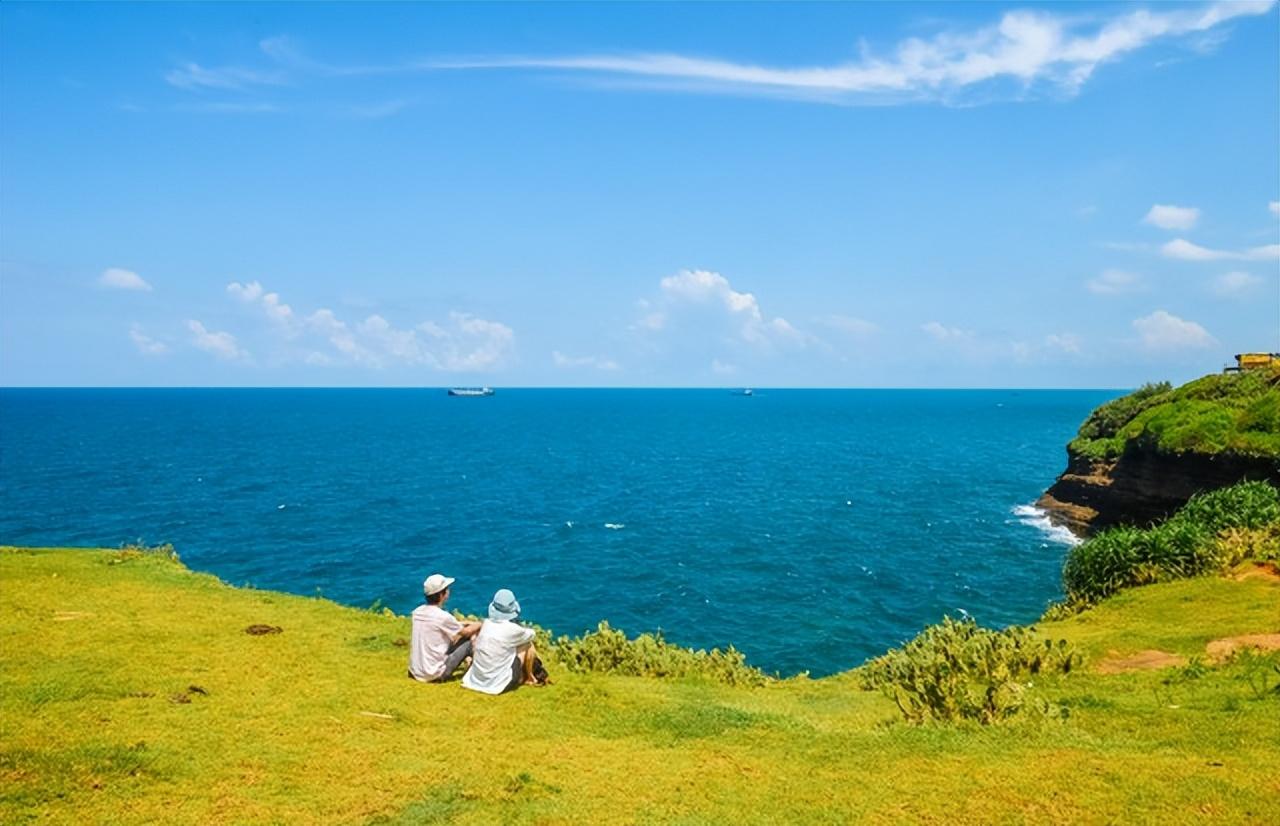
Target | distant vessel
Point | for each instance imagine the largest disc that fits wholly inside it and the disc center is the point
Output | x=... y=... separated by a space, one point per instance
x=746 y=391
x=470 y=391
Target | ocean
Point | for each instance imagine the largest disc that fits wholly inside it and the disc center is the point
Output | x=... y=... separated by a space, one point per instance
x=811 y=529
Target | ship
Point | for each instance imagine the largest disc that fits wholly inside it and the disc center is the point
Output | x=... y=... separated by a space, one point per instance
x=470 y=391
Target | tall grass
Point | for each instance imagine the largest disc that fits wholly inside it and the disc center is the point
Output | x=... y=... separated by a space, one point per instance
x=1211 y=532
x=608 y=650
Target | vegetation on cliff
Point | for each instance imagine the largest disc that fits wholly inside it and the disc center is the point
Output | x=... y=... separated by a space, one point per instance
x=1211 y=533
x=1236 y=413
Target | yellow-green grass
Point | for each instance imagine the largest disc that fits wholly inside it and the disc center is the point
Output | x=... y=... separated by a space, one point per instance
x=320 y=724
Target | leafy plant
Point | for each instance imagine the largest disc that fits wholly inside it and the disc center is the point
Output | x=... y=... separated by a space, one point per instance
x=956 y=670
x=608 y=650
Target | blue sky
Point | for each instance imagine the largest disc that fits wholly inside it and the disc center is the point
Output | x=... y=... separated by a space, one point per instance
x=933 y=195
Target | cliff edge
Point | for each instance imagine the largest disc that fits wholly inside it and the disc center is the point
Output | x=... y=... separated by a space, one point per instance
x=1138 y=458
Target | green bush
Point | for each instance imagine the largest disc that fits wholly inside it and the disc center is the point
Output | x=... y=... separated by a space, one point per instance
x=1211 y=532
x=956 y=670
x=1234 y=413
x=608 y=650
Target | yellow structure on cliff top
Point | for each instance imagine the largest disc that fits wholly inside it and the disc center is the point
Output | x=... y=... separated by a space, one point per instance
x=1254 y=361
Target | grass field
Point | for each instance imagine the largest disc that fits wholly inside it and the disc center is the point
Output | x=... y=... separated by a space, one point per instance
x=131 y=693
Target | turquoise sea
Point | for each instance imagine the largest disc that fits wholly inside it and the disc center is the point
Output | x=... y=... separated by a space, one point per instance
x=809 y=528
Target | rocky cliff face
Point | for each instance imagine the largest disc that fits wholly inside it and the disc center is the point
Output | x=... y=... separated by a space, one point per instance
x=1142 y=486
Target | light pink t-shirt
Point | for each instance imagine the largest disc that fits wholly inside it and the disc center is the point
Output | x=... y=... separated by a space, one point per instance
x=433 y=633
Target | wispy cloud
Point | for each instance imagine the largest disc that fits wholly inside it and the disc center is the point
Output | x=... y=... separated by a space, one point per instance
x=146 y=345
x=1274 y=206
x=115 y=278
x=221 y=344
x=1172 y=217
x=193 y=76
x=1184 y=250
x=280 y=314
x=1031 y=50
x=1114 y=282
x=1020 y=56
x=940 y=332
x=1235 y=284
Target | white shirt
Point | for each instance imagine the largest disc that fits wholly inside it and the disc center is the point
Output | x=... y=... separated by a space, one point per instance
x=433 y=633
x=492 y=654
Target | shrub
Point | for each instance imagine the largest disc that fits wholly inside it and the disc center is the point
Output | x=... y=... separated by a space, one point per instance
x=608 y=650
x=1210 y=533
x=956 y=670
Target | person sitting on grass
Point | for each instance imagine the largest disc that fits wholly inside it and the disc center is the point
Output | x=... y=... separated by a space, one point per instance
x=439 y=641
x=503 y=657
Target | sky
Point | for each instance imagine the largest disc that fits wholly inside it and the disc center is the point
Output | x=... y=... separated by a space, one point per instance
x=702 y=195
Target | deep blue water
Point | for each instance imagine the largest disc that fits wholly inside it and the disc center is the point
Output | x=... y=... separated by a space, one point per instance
x=810 y=528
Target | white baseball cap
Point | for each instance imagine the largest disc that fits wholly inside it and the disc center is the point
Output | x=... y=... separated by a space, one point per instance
x=436 y=583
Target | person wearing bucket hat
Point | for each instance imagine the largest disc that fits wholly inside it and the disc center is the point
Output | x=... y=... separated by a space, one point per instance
x=438 y=643
x=503 y=656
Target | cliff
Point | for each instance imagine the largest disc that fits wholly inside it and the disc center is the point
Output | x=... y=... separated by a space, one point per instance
x=1138 y=458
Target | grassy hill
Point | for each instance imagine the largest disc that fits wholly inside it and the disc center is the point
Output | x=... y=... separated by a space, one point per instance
x=131 y=693
x=1235 y=413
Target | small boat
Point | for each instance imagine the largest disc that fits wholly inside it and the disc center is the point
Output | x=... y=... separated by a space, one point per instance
x=746 y=391
x=470 y=391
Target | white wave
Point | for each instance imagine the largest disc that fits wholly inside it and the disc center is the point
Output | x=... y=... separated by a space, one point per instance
x=1038 y=519
x=614 y=526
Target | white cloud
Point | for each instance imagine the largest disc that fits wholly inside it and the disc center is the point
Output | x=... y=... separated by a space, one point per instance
x=597 y=362
x=1274 y=206
x=1184 y=250
x=247 y=293
x=193 y=76
x=941 y=332
x=855 y=327
x=1027 y=50
x=1172 y=217
x=145 y=343
x=277 y=311
x=723 y=368
x=117 y=279
x=1162 y=331
x=703 y=287
x=1114 y=282
x=1066 y=342
x=221 y=344
x=1235 y=284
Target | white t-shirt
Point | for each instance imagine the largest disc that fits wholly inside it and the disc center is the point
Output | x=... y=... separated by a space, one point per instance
x=433 y=633
x=492 y=654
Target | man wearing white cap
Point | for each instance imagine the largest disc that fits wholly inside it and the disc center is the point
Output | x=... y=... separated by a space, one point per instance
x=439 y=642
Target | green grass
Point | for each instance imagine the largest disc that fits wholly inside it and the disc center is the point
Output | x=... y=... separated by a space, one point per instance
x=99 y=722
x=1236 y=413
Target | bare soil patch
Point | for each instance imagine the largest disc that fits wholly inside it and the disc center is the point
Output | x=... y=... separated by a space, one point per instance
x=1262 y=570
x=1149 y=660
x=1222 y=649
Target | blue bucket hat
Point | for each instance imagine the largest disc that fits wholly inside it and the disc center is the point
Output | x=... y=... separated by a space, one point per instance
x=504 y=606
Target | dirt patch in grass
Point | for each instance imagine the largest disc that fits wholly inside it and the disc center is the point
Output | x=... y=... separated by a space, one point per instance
x=1222 y=649
x=1149 y=660
x=259 y=630
x=1262 y=570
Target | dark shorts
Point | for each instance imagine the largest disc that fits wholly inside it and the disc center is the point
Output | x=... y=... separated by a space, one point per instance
x=517 y=675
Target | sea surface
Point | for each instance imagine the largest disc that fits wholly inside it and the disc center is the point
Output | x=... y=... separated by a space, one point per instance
x=811 y=529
